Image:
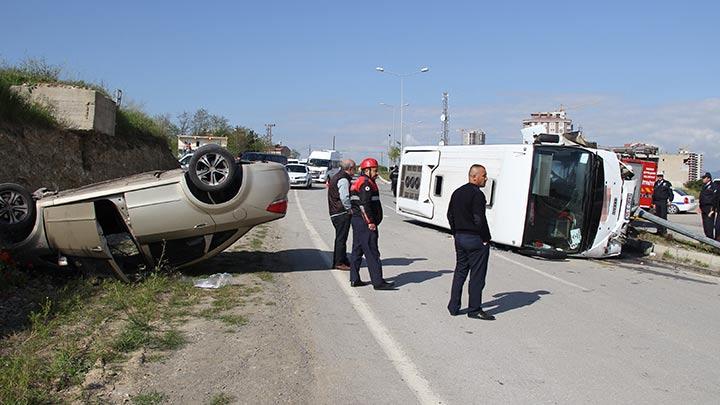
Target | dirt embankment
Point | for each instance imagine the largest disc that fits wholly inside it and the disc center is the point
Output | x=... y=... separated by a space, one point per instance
x=35 y=157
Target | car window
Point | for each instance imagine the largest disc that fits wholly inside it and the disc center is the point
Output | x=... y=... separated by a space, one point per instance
x=678 y=191
x=296 y=168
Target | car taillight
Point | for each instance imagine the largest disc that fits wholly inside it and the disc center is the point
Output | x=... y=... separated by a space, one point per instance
x=277 y=207
x=687 y=200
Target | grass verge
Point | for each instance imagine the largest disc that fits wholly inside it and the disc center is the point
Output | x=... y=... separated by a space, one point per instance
x=86 y=323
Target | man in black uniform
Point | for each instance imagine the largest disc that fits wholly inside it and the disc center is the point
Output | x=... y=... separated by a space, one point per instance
x=393 y=179
x=339 y=206
x=708 y=196
x=662 y=194
x=468 y=224
x=366 y=216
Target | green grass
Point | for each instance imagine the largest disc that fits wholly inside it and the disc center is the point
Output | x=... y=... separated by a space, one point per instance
x=221 y=399
x=149 y=398
x=87 y=321
x=265 y=276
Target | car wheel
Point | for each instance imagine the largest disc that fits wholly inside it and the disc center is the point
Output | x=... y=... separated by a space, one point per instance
x=212 y=168
x=17 y=210
x=673 y=209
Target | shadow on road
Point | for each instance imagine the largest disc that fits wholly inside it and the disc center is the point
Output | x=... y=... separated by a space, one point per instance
x=416 y=277
x=507 y=301
x=401 y=261
x=283 y=261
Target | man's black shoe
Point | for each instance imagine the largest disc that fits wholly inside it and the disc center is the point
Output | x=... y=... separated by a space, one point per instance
x=454 y=312
x=385 y=285
x=481 y=315
x=359 y=283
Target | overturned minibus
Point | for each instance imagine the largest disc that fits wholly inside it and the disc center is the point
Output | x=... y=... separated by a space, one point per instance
x=548 y=197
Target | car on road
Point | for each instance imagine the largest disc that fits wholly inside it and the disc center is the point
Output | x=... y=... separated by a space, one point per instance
x=682 y=202
x=299 y=175
x=176 y=217
x=185 y=160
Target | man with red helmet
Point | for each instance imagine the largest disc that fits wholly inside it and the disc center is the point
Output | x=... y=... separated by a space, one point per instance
x=366 y=216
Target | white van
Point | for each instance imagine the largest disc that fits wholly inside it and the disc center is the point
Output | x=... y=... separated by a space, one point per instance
x=321 y=161
x=555 y=198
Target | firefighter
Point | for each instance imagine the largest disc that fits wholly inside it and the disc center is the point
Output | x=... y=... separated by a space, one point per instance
x=662 y=194
x=366 y=216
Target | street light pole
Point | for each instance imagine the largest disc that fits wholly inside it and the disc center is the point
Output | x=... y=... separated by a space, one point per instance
x=381 y=69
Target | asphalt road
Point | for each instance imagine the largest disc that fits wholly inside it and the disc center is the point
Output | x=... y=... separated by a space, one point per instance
x=578 y=331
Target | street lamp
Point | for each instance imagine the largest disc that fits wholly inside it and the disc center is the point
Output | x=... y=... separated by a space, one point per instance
x=402 y=76
x=393 y=111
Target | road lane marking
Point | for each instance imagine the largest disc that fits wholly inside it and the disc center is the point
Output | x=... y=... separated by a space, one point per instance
x=543 y=273
x=402 y=363
x=392 y=209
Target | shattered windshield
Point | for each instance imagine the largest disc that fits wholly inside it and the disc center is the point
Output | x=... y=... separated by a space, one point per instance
x=558 y=204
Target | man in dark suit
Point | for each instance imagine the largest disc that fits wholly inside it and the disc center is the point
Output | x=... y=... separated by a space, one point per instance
x=662 y=194
x=469 y=227
x=708 y=196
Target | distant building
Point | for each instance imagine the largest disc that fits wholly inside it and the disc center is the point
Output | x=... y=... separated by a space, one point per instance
x=280 y=150
x=681 y=167
x=187 y=143
x=473 y=137
x=555 y=122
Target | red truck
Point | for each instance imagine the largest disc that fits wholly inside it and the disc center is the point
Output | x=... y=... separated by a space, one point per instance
x=646 y=172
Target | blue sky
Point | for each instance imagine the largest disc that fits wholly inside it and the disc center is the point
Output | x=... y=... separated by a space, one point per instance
x=626 y=71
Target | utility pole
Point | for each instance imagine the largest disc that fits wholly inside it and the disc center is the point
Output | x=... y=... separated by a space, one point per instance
x=268 y=132
x=333 y=148
x=445 y=119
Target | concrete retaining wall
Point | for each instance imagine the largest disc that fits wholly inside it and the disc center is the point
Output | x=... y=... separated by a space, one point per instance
x=73 y=107
x=51 y=158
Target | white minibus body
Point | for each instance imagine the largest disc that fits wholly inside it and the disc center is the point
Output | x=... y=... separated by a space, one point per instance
x=551 y=198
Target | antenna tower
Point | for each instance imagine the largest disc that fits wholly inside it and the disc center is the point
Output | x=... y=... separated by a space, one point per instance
x=268 y=132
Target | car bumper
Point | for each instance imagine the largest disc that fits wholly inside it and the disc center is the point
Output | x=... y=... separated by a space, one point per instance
x=687 y=207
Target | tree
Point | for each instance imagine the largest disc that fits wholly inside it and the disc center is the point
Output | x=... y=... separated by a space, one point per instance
x=184 y=122
x=394 y=153
x=200 y=123
x=294 y=154
x=219 y=125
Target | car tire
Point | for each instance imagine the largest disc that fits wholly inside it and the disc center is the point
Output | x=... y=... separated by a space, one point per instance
x=673 y=209
x=17 y=211
x=212 y=168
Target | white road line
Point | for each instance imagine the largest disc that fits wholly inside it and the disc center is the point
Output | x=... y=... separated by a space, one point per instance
x=543 y=273
x=392 y=209
x=405 y=367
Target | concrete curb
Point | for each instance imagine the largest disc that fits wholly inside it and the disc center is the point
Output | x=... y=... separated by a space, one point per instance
x=679 y=255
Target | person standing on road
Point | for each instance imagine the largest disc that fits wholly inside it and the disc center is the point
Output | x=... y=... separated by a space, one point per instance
x=366 y=216
x=393 y=179
x=468 y=224
x=708 y=196
x=662 y=195
x=339 y=206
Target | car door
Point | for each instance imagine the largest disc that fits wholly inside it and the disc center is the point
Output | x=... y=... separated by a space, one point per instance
x=73 y=230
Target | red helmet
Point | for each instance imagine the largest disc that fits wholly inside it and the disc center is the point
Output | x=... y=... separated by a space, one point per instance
x=368 y=163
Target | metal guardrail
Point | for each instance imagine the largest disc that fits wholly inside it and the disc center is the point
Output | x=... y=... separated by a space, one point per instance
x=677 y=228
